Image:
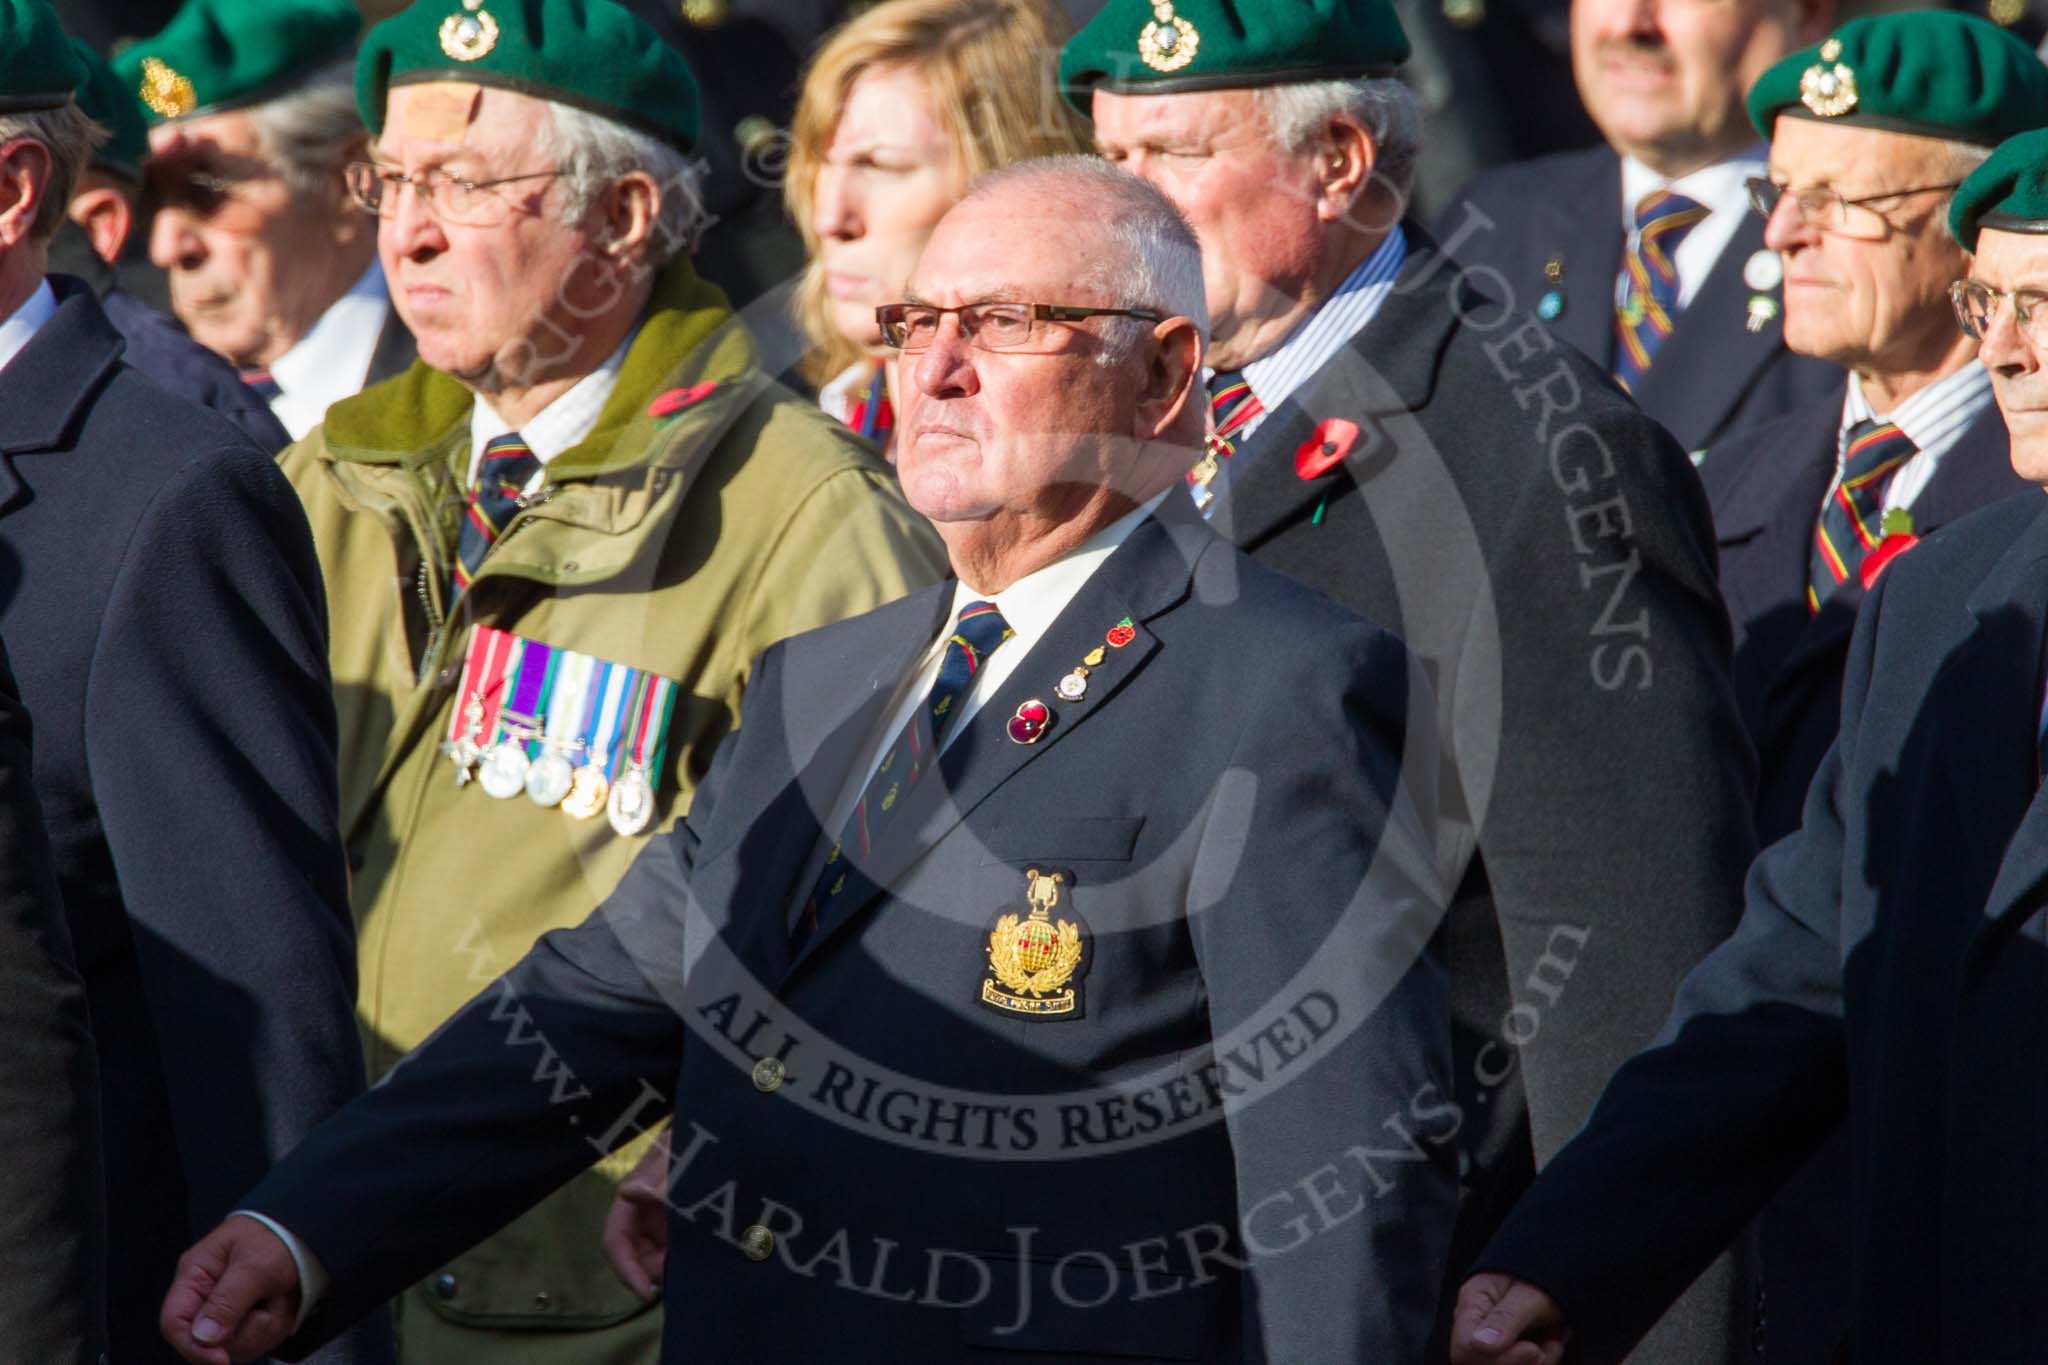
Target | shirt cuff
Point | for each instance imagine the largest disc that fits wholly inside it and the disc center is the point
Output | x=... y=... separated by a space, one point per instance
x=312 y=1275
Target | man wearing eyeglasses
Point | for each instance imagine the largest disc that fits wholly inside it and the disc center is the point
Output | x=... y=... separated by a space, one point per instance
x=252 y=117
x=1887 y=979
x=553 y=548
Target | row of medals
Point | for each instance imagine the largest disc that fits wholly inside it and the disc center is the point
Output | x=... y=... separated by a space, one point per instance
x=503 y=770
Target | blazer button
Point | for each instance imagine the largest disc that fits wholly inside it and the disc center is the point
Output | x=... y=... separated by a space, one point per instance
x=444 y=1286
x=769 y=1073
x=757 y=1243
x=541 y=1299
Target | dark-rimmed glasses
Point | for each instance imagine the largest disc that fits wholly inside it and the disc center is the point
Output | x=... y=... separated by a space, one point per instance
x=1826 y=209
x=1976 y=305
x=990 y=326
x=472 y=203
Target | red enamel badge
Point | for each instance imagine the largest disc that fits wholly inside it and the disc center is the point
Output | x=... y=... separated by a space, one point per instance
x=1029 y=722
x=1325 y=448
x=675 y=400
x=1888 y=549
x=1121 y=634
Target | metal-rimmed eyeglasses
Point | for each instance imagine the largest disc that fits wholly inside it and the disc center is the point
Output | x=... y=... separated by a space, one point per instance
x=450 y=198
x=1976 y=305
x=990 y=326
x=1828 y=210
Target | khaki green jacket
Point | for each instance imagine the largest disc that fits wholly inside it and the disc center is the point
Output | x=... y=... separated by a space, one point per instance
x=683 y=546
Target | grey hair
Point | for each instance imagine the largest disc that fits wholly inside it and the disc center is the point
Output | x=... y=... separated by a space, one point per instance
x=307 y=133
x=1296 y=115
x=592 y=152
x=1953 y=160
x=1156 y=260
x=70 y=137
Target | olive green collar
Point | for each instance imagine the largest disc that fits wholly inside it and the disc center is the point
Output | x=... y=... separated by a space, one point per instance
x=690 y=337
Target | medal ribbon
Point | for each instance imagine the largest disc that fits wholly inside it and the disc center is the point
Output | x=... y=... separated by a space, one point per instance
x=606 y=707
x=523 y=705
x=565 y=703
x=497 y=698
x=654 y=718
x=478 y=663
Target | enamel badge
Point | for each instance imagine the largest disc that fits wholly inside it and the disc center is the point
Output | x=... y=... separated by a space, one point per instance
x=1036 y=960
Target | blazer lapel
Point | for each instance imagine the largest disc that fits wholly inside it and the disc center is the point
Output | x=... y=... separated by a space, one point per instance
x=1712 y=356
x=1775 y=501
x=1592 y=263
x=43 y=388
x=1145 y=576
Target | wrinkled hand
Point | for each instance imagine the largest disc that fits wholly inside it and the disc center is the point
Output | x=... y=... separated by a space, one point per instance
x=636 y=1225
x=1501 y=1320
x=235 y=1297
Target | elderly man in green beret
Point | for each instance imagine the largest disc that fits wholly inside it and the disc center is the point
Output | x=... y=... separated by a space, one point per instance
x=1887 y=978
x=252 y=120
x=1387 y=431
x=553 y=548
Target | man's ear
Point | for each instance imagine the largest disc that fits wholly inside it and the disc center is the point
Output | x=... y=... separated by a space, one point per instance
x=24 y=177
x=1172 y=393
x=107 y=217
x=1347 y=157
x=629 y=210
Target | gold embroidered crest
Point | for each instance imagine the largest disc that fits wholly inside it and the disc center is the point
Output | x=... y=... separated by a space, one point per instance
x=1828 y=87
x=1033 y=958
x=1169 y=42
x=167 y=94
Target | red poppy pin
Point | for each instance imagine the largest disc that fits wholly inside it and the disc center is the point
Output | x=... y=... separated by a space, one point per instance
x=1898 y=538
x=675 y=400
x=1325 y=448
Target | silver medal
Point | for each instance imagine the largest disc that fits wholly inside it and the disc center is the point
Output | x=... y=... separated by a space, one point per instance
x=549 y=779
x=630 y=807
x=504 y=770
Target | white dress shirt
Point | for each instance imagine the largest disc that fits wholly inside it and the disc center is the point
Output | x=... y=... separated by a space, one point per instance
x=1316 y=338
x=25 y=321
x=556 y=427
x=1933 y=418
x=1717 y=188
x=331 y=361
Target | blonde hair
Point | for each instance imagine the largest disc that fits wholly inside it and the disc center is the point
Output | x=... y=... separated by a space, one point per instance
x=990 y=66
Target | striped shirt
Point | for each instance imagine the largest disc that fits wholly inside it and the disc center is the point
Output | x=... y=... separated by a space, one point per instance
x=1933 y=419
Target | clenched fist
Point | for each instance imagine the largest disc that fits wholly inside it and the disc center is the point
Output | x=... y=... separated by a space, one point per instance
x=235 y=1298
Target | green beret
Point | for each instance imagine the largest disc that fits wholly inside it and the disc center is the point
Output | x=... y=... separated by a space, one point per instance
x=1930 y=72
x=1152 y=47
x=110 y=102
x=216 y=55
x=2008 y=193
x=592 y=54
x=38 y=69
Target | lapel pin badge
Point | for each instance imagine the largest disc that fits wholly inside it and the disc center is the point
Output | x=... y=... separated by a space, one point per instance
x=1121 y=634
x=1325 y=448
x=1762 y=309
x=1030 y=722
x=1074 y=686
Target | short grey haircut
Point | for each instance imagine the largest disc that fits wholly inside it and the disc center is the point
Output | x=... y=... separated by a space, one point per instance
x=1296 y=115
x=70 y=137
x=1951 y=161
x=308 y=133
x=1156 y=261
x=592 y=152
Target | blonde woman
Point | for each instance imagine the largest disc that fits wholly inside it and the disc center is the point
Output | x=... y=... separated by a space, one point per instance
x=901 y=107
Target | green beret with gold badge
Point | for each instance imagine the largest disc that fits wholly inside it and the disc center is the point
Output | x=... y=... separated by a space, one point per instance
x=2008 y=193
x=1929 y=72
x=1159 y=47
x=217 y=55
x=38 y=69
x=110 y=102
x=592 y=54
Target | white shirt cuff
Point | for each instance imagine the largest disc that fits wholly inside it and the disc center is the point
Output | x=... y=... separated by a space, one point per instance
x=312 y=1275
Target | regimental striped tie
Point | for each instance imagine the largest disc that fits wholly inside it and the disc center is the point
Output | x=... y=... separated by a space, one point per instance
x=1850 y=524
x=501 y=476
x=979 y=632
x=263 y=382
x=1649 y=289
x=1232 y=404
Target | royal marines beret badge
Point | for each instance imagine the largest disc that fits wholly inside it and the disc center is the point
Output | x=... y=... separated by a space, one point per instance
x=466 y=37
x=1169 y=42
x=1036 y=962
x=1828 y=87
x=165 y=92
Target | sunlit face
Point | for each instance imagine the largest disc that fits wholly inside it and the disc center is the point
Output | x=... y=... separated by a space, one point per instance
x=232 y=238
x=2010 y=262
x=491 y=303
x=1879 y=299
x=1665 y=79
x=1003 y=440
x=888 y=175
x=1252 y=205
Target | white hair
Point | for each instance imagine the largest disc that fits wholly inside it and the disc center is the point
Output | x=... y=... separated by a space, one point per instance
x=1385 y=106
x=1154 y=260
x=69 y=136
x=307 y=133
x=592 y=152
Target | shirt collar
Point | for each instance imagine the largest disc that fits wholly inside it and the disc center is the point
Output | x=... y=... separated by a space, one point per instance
x=334 y=355
x=1034 y=602
x=1930 y=417
x=21 y=325
x=1719 y=187
x=1319 y=336
x=562 y=423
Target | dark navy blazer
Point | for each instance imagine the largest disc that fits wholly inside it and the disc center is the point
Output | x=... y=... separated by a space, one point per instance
x=162 y=604
x=1890 y=975
x=1713 y=375
x=1218 y=800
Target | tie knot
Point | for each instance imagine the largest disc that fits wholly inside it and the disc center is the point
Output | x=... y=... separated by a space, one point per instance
x=506 y=459
x=1666 y=215
x=1872 y=448
x=981 y=628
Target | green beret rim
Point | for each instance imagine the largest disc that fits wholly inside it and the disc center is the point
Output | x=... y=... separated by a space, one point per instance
x=1947 y=132
x=24 y=104
x=1079 y=92
x=2011 y=222
x=427 y=75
